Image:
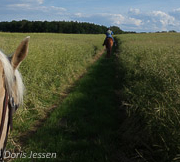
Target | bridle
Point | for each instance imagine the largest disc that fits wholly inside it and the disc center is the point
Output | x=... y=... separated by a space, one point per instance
x=12 y=107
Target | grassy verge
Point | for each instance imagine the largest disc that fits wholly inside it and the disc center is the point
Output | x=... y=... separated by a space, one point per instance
x=149 y=65
x=54 y=62
x=84 y=127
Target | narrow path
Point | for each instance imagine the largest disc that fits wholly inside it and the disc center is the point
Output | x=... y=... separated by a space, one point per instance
x=39 y=123
x=85 y=126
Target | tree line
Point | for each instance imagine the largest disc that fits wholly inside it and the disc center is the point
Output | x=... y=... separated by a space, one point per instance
x=26 y=26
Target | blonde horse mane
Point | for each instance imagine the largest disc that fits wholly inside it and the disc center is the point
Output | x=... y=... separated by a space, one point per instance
x=10 y=76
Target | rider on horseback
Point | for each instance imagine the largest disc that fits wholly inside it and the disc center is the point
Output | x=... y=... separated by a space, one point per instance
x=109 y=34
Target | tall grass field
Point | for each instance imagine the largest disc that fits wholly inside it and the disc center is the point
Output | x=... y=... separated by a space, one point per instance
x=54 y=62
x=124 y=109
x=149 y=68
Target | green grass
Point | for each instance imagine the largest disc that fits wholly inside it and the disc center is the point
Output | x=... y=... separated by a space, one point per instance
x=90 y=123
x=54 y=62
x=150 y=72
x=84 y=127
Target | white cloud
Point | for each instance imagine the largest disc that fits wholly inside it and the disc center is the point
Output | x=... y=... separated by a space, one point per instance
x=151 y=21
x=164 y=19
x=40 y=1
x=102 y=18
x=57 y=8
x=21 y=5
x=33 y=1
x=79 y=15
x=36 y=6
x=108 y=19
x=176 y=14
x=134 y=19
x=176 y=10
x=117 y=19
x=134 y=11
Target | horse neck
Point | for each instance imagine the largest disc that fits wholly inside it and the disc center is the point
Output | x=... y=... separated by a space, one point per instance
x=3 y=100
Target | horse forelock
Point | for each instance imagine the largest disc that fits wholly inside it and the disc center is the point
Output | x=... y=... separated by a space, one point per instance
x=10 y=77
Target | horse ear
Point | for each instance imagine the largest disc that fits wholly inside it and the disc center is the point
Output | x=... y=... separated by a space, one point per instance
x=20 y=53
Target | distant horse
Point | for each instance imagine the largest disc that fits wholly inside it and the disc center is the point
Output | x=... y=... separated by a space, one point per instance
x=109 y=45
x=11 y=90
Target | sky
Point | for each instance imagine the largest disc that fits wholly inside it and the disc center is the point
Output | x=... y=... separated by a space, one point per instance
x=129 y=15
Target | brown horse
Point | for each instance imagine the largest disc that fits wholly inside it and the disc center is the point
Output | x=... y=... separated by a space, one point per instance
x=109 y=45
x=11 y=90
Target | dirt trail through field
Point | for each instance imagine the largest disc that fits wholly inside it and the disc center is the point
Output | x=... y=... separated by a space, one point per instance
x=85 y=122
x=23 y=138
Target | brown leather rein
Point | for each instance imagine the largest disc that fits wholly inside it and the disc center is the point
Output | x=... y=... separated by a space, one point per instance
x=10 y=104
